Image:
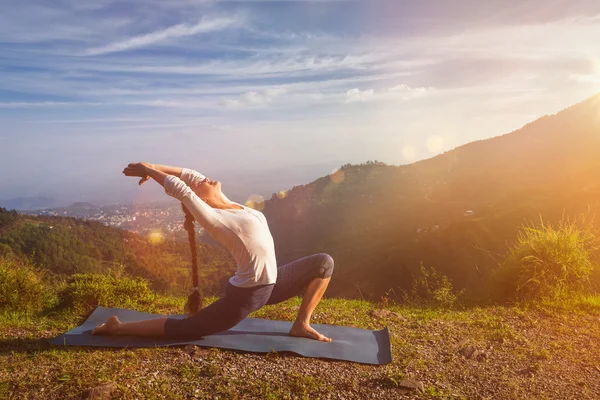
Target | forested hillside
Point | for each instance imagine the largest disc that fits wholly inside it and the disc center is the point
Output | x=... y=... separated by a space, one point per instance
x=65 y=246
x=455 y=212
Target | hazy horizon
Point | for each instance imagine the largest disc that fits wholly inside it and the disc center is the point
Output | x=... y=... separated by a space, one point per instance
x=267 y=95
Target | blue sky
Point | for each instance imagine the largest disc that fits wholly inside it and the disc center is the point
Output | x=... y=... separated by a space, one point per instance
x=267 y=95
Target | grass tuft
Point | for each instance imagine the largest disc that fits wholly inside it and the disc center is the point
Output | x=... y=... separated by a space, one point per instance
x=549 y=262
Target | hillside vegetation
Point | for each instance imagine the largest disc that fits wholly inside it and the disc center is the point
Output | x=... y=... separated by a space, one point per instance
x=455 y=212
x=66 y=246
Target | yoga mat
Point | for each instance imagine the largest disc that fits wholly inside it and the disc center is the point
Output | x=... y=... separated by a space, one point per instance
x=252 y=334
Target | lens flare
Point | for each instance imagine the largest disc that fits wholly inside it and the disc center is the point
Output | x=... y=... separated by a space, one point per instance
x=409 y=153
x=337 y=176
x=256 y=201
x=435 y=144
x=156 y=237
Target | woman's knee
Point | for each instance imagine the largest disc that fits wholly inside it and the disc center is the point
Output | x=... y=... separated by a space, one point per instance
x=326 y=265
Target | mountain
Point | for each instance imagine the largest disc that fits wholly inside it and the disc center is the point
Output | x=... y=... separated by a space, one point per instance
x=77 y=209
x=456 y=212
x=28 y=203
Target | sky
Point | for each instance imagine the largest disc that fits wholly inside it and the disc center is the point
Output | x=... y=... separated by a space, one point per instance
x=267 y=95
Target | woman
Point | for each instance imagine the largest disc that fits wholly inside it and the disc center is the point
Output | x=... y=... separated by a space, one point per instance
x=257 y=282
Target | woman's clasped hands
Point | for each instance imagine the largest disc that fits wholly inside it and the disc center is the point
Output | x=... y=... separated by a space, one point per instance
x=138 y=169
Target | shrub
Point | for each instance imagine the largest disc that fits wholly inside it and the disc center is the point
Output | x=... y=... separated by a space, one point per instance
x=5 y=250
x=21 y=287
x=83 y=292
x=432 y=288
x=547 y=261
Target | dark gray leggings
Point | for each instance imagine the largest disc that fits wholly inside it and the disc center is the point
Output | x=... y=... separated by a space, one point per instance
x=238 y=303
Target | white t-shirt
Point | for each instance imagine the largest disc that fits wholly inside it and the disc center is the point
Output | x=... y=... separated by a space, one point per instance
x=244 y=232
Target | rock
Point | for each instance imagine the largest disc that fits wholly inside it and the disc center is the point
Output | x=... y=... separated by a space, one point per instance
x=468 y=351
x=383 y=314
x=410 y=385
x=102 y=392
x=195 y=352
x=190 y=348
x=528 y=372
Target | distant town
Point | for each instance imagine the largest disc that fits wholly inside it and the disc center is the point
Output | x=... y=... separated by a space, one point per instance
x=145 y=219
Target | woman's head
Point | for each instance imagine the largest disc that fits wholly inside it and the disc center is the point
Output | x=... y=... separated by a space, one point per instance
x=209 y=191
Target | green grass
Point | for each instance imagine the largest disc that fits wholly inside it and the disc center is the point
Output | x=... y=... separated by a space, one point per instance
x=306 y=387
x=23 y=287
x=422 y=338
x=550 y=261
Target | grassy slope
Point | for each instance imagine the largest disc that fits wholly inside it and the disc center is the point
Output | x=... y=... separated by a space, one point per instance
x=545 y=352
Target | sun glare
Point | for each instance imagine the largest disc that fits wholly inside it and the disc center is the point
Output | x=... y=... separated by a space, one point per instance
x=409 y=153
x=337 y=176
x=156 y=237
x=256 y=201
x=435 y=143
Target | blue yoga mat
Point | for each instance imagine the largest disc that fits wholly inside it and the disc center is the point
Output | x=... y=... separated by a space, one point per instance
x=252 y=334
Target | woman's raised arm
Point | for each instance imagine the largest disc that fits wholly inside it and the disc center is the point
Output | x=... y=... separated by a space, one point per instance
x=189 y=176
x=134 y=169
x=168 y=169
x=145 y=171
x=177 y=188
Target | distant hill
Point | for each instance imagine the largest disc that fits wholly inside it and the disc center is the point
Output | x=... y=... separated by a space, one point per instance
x=83 y=205
x=28 y=203
x=455 y=212
x=78 y=209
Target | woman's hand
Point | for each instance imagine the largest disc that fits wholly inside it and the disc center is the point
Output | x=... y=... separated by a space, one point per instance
x=139 y=169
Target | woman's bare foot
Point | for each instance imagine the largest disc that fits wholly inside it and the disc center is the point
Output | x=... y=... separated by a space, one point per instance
x=107 y=328
x=307 y=331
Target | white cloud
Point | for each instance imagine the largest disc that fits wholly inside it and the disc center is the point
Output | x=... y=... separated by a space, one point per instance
x=255 y=98
x=171 y=103
x=24 y=104
x=258 y=65
x=175 y=31
x=224 y=127
x=586 y=78
x=356 y=94
x=405 y=92
x=402 y=92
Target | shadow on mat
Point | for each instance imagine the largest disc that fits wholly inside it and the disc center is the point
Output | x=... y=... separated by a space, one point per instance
x=32 y=346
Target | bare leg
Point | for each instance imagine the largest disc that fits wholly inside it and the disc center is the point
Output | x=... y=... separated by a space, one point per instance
x=312 y=295
x=154 y=327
